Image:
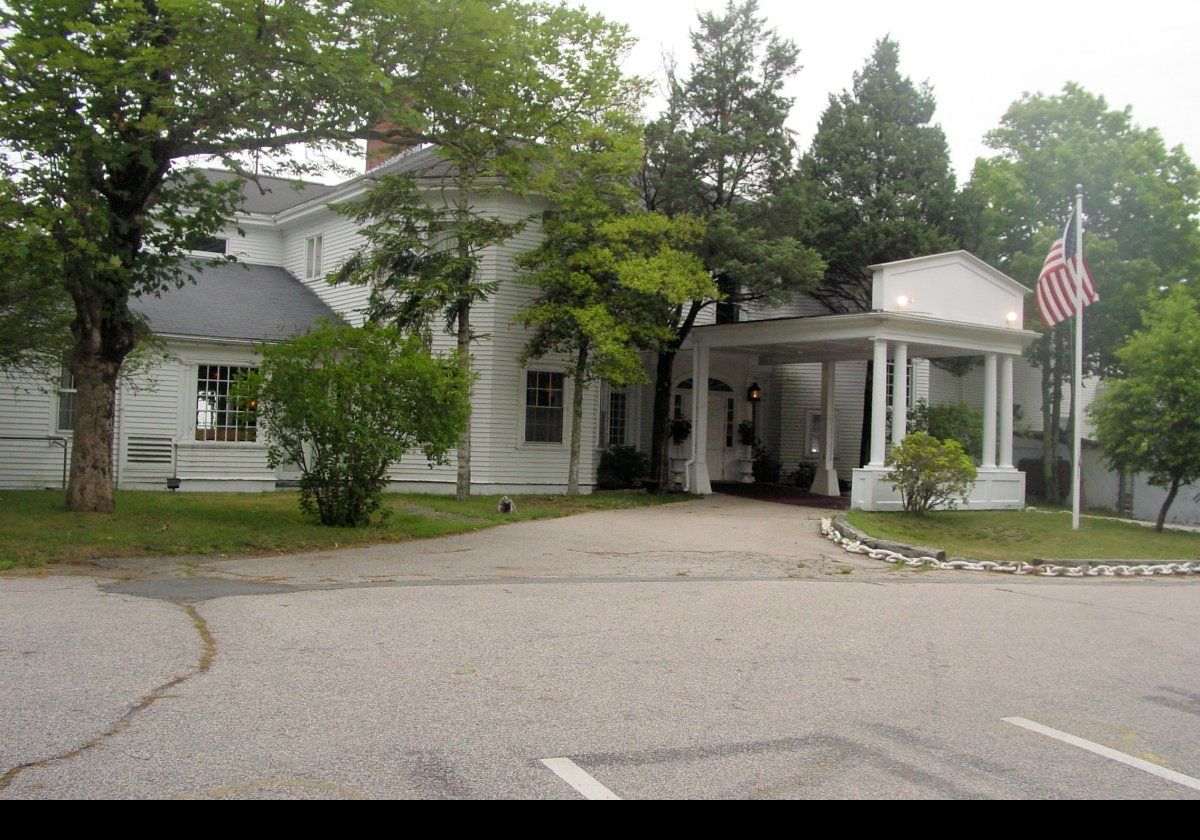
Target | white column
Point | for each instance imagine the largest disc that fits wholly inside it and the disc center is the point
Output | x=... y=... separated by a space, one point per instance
x=879 y=405
x=989 y=411
x=698 y=482
x=1006 y=412
x=825 y=480
x=899 y=392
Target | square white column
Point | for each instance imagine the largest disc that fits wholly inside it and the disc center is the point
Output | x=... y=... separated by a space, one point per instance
x=879 y=404
x=989 y=411
x=697 y=471
x=899 y=393
x=1006 y=412
x=825 y=480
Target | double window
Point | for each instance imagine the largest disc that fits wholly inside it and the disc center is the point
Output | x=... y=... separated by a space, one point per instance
x=219 y=415
x=544 y=406
x=312 y=257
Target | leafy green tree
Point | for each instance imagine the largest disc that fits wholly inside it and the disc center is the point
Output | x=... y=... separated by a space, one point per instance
x=881 y=170
x=722 y=152
x=548 y=72
x=1147 y=421
x=35 y=318
x=101 y=104
x=1141 y=200
x=930 y=473
x=344 y=403
x=605 y=271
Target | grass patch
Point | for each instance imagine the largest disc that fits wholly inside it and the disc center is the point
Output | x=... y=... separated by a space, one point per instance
x=36 y=528
x=1013 y=535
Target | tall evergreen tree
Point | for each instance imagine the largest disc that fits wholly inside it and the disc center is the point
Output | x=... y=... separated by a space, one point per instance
x=722 y=152
x=881 y=167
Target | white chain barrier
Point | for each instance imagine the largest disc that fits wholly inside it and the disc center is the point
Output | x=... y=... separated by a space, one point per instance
x=1189 y=567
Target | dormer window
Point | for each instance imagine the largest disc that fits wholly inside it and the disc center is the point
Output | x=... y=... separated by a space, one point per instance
x=312 y=257
x=208 y=244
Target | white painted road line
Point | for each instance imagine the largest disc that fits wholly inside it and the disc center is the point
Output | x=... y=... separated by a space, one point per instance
x=578 y=778
x=1107 y=752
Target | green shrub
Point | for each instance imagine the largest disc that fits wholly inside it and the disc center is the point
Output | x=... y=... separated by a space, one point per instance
x=930 y=473
x=344 y=403
x=950 y=421
x=621 y=467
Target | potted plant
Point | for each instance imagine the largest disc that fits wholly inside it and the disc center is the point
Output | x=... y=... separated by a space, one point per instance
x=680 y=429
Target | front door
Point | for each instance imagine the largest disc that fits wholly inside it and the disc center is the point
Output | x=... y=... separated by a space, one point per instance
x=722 y=451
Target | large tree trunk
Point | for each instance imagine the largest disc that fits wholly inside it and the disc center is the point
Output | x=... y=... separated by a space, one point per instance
x=659 y=436
x=577 y=419
x=91 y=484
x=462 y=485
x=1166 y=506
x=101 y=340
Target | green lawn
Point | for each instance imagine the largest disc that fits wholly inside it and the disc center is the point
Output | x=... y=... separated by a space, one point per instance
x=1025 y=535
x=35 y=527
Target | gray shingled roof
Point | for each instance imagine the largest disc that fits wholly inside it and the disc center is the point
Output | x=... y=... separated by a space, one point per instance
x=267 y=194
x=236 y=301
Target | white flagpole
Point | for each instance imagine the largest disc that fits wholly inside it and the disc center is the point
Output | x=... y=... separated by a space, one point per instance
x=1076 y=466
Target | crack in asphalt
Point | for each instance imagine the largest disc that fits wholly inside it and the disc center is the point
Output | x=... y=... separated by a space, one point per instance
x=207 y=654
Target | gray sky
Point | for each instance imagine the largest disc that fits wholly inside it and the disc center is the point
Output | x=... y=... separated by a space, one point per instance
x=978 y=57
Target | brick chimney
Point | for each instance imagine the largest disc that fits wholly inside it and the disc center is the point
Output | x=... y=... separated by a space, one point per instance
x=381 y=151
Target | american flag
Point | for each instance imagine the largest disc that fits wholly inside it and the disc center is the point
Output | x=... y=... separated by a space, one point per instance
x=1056 y=283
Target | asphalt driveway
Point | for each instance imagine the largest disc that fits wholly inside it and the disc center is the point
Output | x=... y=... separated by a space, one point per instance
x=708 y=649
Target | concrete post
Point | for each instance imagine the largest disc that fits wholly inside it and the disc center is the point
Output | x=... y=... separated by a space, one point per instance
x=698 y=482
x=899 y=393
x=825 y=481
x=1006 y=412
x=879 y=405
x=989 y=411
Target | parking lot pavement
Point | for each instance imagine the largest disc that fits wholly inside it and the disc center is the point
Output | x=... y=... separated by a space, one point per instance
x=831 y=687
x=74 y=660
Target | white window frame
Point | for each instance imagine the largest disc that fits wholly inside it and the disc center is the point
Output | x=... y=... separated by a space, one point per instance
x=194 y=419
x=523 y=432
x=314 y=247
x=66 y=385
x=604 y=424
x=814 y=419
x=891 y=382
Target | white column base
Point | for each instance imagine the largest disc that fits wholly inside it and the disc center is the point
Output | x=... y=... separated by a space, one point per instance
x=698 y=483
x=825 y=482
x=995 y=489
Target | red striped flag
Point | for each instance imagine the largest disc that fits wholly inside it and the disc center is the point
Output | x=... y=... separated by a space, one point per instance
x=1056 y=286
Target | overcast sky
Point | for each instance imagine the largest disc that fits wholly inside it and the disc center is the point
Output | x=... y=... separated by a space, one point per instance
x=978 y=57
